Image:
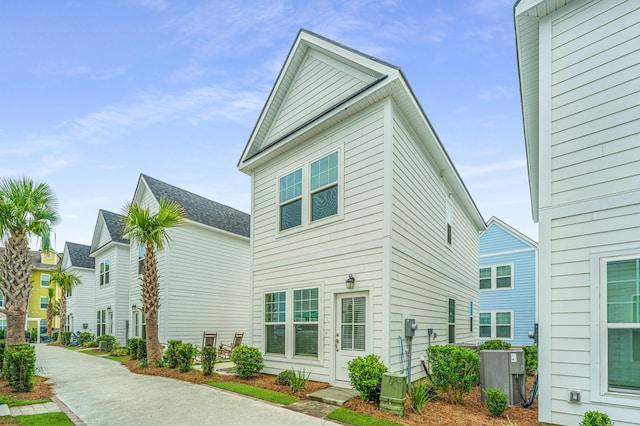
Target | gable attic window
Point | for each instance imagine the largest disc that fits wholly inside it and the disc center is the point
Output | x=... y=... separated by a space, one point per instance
x=324 y=187
x=291 y=200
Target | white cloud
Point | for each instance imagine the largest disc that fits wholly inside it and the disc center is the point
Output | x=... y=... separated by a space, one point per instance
x=467 y=171
x=69 y=70
x=495 y=93
x=157 y=5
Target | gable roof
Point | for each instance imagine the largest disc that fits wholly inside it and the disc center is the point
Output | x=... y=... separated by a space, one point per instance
x=36 y=261
x=112 y=222
x=79 y=255
x=200 y=209
x=513 y=231
x=526 y=16
x=364 y=81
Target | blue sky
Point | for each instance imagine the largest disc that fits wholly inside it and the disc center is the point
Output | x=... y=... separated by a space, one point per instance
x=94 y=93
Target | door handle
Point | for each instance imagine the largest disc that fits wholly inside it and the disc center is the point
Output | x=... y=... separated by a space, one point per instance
x=337 y=342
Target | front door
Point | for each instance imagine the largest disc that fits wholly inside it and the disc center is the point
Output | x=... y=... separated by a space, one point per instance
x=350 y=333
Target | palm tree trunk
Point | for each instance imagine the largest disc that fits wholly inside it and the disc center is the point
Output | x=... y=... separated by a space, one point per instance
x=15 y=270
x=63 y=312
x=151 y=302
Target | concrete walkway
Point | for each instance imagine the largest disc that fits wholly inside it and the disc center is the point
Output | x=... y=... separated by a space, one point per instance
x=103 y=392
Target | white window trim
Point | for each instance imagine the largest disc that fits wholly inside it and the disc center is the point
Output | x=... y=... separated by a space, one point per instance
x=494 y=324
x=289 y=324
x=103 y=281
x=1 y=300
x=494 y=277
x=47 y=305
x=48 y=282
x=306 y=222
x=449 y=215
x=598 y=329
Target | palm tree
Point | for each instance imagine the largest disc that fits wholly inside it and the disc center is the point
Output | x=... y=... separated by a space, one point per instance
x=50 y=310
x=65 y=281
x=150 y=230
x=27 y=210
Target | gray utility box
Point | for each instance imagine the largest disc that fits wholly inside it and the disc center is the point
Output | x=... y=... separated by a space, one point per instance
x=503 y=370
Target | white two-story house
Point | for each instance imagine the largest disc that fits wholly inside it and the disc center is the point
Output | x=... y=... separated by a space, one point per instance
x=81 y=300
x=359 y=219
x=579 y=64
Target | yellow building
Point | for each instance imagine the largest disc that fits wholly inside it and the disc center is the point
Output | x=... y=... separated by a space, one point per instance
x=43 y=265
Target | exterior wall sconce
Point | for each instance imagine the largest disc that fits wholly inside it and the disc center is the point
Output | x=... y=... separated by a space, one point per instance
x=351 y=281
x=134 y=306
x=109 y=308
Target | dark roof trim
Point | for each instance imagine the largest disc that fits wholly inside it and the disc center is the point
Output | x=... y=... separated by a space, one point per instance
x=317 y=117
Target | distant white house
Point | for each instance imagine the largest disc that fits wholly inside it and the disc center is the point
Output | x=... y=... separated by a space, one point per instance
x=81 y=311
x=359 y=219
x=111 y=253
x=204 y=269
x=580 y=84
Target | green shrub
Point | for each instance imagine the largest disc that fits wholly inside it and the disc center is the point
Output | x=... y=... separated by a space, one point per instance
x=1 y=353
x=54 y=336
x=144 y=363
x=185 y=353
x=530 y=359
x=208 y=360
x=496 y=401
x=92 y=344
x=365 y=374
x=421 y=392
x=247 y=361
x=284 y=378
x=495 y=344
x=106 y=338
x=299 y=380
x=161 y=363
x=171 y=353
x=119 y=352
x=595 y=418
x=137 y=348
x=85 y=337
x=33 y=335
x=65 y=337
x=3 y=333
x=454 y=370
x=20 y=366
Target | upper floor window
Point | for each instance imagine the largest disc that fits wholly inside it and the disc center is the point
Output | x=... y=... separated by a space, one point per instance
x=44 y=280
x=449 y=221
x=141 y=251
x=44 y=302
x=496 y=277
x=1 y=301
x=104 y=272
x=324 y=187
x=496 y=325
x=291 y=200
x=321 y=200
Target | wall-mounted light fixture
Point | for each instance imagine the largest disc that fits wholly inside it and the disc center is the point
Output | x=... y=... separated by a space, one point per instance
x=134 y=306
x=109 y=308
x=350 y=282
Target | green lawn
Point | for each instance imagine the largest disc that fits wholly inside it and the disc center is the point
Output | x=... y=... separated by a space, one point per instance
x=351 y=417
x=265 y=394
x=48 y=419
x=21 y=402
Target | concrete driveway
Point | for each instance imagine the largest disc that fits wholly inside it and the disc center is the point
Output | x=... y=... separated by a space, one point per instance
x=103 y=392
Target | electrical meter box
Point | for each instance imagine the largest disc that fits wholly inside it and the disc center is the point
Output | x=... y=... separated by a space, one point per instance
x=503 y=369
x=410 y=327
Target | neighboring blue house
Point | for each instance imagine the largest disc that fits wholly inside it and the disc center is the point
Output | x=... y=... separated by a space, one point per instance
x=508 y=284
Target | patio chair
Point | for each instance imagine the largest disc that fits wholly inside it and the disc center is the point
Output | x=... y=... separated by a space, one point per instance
x=224 y=351
x=208 y=339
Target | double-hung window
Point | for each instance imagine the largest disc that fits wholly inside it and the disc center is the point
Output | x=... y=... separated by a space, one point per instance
x=104 y=272
x=101 y=322
x=45 y=279
x=324 y=187
x=141 y=251
x=305 y=322
x=275 y=309
x=622 y=325
x=1 y=301
x=496 y=325
x=291 y=200
x=496 y=277
x=452 y=320
x=44 y=302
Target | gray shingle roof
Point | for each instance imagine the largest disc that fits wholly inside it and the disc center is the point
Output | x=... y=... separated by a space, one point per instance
x=114 y=226
x=79 y=255
x=200 y=209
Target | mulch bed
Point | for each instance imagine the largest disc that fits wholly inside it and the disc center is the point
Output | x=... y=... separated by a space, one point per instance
x=41 y=390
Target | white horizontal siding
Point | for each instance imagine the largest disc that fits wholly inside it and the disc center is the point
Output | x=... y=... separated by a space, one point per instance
x=82 y=301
